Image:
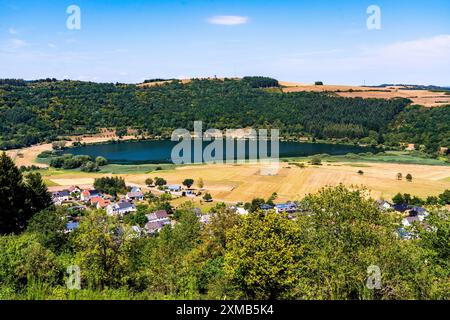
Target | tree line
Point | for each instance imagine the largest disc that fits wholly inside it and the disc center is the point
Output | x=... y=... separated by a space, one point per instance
x=33 y=112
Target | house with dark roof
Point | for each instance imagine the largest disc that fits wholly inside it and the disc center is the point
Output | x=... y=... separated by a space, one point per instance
x=266 y=207
x=71 y=226
x=86 y=195
x=59 y=197
x=400 y=207
x=418 y=211
x=174 y=188
x=135 y=196
x=289 y=207
x=153 y=227
x=120 y=208
x=159 y=215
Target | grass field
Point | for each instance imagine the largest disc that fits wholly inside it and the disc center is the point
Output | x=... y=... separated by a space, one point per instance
x=243 y=182
x=233 y=183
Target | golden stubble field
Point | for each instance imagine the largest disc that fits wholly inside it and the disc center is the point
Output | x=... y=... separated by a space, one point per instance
x=423 y=97
x=234 y=183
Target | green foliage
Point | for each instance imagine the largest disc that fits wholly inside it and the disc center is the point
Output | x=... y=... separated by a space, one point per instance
x=445 y=197
x=101 y=161
x=316 y=161
x=23 y=258
x=49 y=226
x=111 y=185
x=420 y=125
x=263 y=256
x=138 y=218
x=20 y=198
x=149 y=182
x=207 y=197
x=42 y=111
x=343 y=233
x=188 y=183
x=324 y=253
x=160 y=182
x=260 y=82
x=103 y=250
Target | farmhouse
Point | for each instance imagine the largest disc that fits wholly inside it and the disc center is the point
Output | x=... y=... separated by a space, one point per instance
x=155 y=226
x=289 y=207
x=158 y=216
x=86 y=195
x=74 y=189
x=135 y=195
x=120 y=208
x=174 y=188
x=383 y=205
x=156 y=221
x=60 y=196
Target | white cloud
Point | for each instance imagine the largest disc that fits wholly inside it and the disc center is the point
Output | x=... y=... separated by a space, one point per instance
x=16 y=44
x=52 y=45
x=228 y=20
x=13 y=31
x=434 y=47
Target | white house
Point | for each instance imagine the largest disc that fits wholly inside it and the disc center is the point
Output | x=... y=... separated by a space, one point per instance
x=86 y=195
x=120 y=208
x=60 y=196
x=241 y=210
x=134 y=196
x=158 y=216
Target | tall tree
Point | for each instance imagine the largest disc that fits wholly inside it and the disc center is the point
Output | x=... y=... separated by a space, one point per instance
x=38 y=196
x=14 y=212
x=263 y=256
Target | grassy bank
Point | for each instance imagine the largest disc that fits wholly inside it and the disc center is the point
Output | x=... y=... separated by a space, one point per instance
x=400 y=157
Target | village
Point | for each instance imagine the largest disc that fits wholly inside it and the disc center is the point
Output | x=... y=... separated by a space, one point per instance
x=76 y=200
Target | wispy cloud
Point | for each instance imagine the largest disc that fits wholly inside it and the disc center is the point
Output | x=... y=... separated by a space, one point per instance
x=16 y=44
x=13 y=31
x=434 y=47
x=228 y=20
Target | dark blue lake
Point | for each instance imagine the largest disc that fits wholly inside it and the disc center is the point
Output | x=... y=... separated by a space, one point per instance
x=160 y=151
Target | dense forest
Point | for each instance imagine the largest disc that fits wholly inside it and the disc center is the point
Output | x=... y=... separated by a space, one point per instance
x=324 y=253
x=36 y=111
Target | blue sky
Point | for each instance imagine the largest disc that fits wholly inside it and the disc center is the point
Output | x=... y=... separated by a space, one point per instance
x=301 y=41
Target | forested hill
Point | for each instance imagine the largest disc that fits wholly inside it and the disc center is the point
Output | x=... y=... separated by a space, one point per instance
x=36 y=111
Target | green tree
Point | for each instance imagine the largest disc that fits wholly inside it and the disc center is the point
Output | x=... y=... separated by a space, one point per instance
x=188 y=183
x=49 y=226
x=398 y=199
x=207 y=197
x=101 y=161
x=103 y=247
x=445 y=197
x=14 y=212
x=37 y=193
x=409 y=177
x=24 y=259
x=316 y=161
x=149 y=182
x=344 y=233
x=160 y=182
x=263 y=256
